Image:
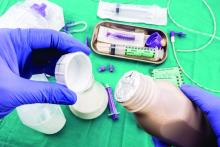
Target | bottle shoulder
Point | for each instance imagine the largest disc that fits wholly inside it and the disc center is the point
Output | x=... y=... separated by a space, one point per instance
x=170 y=102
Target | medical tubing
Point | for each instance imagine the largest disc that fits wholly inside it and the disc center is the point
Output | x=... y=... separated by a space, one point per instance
x=198 y=49
x=187 y=75
x=213 y=36
x=186 y=28
x=79 y=30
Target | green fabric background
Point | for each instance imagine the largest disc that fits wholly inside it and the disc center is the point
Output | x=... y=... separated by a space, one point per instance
x=203 y=66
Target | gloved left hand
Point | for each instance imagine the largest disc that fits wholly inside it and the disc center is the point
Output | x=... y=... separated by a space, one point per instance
x=24 y=52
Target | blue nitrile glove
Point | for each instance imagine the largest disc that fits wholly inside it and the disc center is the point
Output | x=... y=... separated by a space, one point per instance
x=208 y=103
x=24 y=52
x=159 y=143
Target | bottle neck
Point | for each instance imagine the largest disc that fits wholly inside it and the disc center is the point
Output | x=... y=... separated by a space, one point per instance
x=143 y=95
x=146 y=98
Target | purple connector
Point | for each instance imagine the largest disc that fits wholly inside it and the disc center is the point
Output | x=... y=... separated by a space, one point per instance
x=87 y=41
x=180 y=34
x=111 y=68
x=40 y=9
x=111 y=104
x=172 y=34
x=102 y=68
x=154 y=40
x=121 y=36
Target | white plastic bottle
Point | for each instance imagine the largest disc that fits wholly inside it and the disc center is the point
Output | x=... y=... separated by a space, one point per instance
x=45 y=118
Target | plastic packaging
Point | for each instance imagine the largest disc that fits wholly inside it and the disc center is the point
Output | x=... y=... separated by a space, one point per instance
x=25 y=15
x=45 y=118
x=75 y=71
x=133 y=13
x=163 y=110
x=135 y=39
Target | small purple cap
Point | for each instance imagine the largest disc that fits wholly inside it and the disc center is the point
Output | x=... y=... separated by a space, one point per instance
x=172 y=34
x=154 y=40
x=102 y=68
x=111 y=68
x=40 y=8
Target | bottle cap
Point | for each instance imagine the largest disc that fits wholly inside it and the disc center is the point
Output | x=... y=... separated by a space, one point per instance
x=75 y=71
x=135 y=91
x=92 y=103
x=127 y=86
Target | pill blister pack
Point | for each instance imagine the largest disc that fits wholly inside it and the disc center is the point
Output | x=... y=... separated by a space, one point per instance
x=172 y=74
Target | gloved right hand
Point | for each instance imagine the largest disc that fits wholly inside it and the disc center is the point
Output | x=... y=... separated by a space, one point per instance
x=158 y=143
x=208 y=103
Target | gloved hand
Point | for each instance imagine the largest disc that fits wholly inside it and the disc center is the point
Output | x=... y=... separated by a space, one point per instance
x=208 y=103
x=159 y=143
x=24 y=52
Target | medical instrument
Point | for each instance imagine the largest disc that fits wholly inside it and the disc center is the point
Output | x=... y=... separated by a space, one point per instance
x=123 y=50
x=111 y=68
x=141 y=35
x=179 y=34
x=189 y=29
x=172 y=74
x=129 y=37
x=92 y=98
x=41 y=9
x=197 y=49
x=121 y=37
x=68 y=28
x=111 y=104
x=213 y=35
x=132 y=13
x=102 y=68
x=184 y=72
x=154 y=40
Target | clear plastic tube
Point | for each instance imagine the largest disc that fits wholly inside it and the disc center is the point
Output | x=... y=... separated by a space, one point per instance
x=195 y=31
x=188 y=76
x=197 y=49
x=186 y=28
